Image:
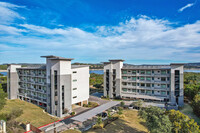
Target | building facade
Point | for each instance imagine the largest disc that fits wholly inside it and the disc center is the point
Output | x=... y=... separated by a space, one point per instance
x=55 y=86
x=162 y=83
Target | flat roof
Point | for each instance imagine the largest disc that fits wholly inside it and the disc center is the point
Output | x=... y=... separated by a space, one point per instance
x=129 y=66
x=93 y=112
x=53 y=57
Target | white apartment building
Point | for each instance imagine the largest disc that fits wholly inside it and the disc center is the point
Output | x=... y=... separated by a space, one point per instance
x=54 y=86
x=161 y=83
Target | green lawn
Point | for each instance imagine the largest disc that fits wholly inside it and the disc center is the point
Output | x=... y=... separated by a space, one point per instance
x=187 y=110
x=31 y=113
x=129 y=123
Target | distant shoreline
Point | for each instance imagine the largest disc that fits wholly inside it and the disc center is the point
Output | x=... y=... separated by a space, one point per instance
x=3 y=71
x=95 y=69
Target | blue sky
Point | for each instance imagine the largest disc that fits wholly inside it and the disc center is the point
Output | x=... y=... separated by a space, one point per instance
x=93 y=31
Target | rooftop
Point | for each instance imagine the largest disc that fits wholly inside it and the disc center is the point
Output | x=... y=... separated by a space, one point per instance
x=129 y=66
x=53 y=57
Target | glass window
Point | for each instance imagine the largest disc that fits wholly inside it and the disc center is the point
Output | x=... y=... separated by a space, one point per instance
x=141 y=78
x=163 y=85
x=148 y=85
x=74 y=88
x=138 y=84
x=133 y=78
x=142 y=84
x=134 y=72
x=163 y=92
x=124 y=89
x=152 y=85
x=152 y=71
x=142 y=91
x=74 y=80
x=124 y=72
x=133 y=84
x=152 y=91
x=148 y=92
x=142 y=72
x=163 y=79
x=163 y=71
x=152 y=78
x=148 y=72
x=133 y=90
x=148 y=78
x=124 y=77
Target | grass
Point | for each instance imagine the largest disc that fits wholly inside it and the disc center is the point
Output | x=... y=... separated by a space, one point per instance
x=72 y=131
x=187 y=110
x=90 y=104
x=129 y=123
x=31 y=113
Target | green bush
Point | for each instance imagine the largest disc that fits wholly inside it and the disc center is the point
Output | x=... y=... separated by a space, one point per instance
x=73 y=113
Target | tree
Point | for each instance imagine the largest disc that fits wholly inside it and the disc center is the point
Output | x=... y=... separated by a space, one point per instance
x=3 y=95
x=138 y=104
x=156 y=119
x=196 y=105
x=122 y=104
x=182 y=123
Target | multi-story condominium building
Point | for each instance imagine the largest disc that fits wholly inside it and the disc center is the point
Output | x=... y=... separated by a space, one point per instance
x=54 y=86
x=162 y=83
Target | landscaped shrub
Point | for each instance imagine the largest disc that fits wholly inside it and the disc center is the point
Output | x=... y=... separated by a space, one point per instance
x=122 y=104
x=90 y=104
x=73 y=113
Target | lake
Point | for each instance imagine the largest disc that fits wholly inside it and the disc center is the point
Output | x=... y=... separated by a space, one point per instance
x=96 y=71
x=91 y=71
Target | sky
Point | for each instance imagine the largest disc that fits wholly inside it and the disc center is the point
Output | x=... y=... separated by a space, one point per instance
x=93 y=31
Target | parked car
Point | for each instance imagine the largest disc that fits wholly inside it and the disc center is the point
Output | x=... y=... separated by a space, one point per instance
x=130 y=107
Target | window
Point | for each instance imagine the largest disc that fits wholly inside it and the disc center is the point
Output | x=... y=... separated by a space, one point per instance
x=152 y=78
x=142 y=84
x=124 y=77
x=163 y=85
x=148 y=72
x=56 y=93
x=168 y=78
x=163 y=79
x=142 y=91
x=124 y=83
x=124 y=72
x=142 y=72
x=133 y=78
x=149 y=78
x=152 y=91
x=133 y=84
x=124 y=89
x=163 y=71
x=74 y=80
x=168 y=71
x=163 y=92
x=74 y=88
x=148 y=85
x=167 y=85
x=74 y=97
x=56 y=102
x=148 y=92
x=134 y=72
x=141 y=78
x=133 y=90
x=74 y=71
x=138 y=84
x=152 y=85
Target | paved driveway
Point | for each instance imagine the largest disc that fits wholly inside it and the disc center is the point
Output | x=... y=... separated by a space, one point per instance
x=97 y=100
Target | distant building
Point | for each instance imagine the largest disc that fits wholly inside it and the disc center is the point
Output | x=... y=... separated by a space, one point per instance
x=54 y=86
x=161 y=83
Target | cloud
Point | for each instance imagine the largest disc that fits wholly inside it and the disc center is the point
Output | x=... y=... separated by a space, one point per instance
x=186 y=6
x=138 y=38
x=8 y=13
